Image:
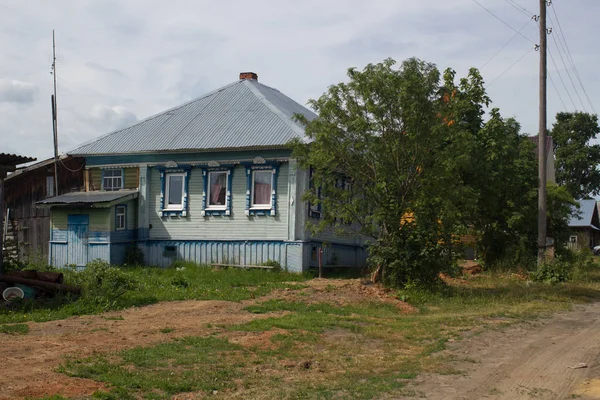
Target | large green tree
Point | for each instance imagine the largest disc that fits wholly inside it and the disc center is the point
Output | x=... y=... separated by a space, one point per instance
x=577 y=158
x=406 y=157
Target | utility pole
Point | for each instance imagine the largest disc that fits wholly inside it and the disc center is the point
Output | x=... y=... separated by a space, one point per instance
x=542 y=137
x=54 y=117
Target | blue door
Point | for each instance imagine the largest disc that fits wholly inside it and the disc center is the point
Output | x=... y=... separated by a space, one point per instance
x=77 y=238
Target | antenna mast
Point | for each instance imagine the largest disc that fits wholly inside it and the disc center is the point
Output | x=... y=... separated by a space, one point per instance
x=54 y=116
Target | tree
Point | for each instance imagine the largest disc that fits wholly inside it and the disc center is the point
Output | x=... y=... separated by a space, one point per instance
x=576 y=158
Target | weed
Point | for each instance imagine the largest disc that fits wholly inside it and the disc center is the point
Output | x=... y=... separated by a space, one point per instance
x=14 y=329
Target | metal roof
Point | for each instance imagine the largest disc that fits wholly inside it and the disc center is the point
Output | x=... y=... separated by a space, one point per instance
x=14 y=159
x=90 y=199
x=244 y=114
x=585 y=214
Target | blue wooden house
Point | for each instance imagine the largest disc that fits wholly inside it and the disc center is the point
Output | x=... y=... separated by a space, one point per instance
x=211 y=181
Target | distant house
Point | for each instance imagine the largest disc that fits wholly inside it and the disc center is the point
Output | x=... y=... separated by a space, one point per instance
x=28 y=226
x=585 y=225
x=550 y=169
x=211 y=181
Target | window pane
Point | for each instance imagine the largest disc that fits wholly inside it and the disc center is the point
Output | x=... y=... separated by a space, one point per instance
x=49 y=186
x=217 y=189
x=262 y=188
x=175 y=189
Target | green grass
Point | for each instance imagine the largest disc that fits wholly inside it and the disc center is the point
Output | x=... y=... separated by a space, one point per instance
x=14 y=329
x=184 y=281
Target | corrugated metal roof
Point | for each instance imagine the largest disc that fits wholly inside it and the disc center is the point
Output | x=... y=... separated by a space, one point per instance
x=244 y=114
x=89 y=198
x=583 y=217
x=14 y=159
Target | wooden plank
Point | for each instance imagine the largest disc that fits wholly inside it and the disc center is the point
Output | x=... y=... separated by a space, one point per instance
x=242 y=266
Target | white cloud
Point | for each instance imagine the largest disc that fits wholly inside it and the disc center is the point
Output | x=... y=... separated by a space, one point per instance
x=120 y=60
x=17 y=92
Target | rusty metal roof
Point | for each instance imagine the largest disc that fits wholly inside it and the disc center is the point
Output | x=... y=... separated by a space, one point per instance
x=245 y=114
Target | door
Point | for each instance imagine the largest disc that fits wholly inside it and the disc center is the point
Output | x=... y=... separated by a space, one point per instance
x=77 y=237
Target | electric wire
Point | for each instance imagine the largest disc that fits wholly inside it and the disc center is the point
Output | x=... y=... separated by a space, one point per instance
x=519 y=8
x=510 y=67
x=562 y=80
x=501 y=20
x=504 y=46
x=570 y=57
x=557 y=92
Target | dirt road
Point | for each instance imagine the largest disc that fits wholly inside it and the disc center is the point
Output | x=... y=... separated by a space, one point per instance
x=525 y=362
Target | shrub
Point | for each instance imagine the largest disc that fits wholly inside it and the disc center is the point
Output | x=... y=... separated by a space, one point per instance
x=272 y=263
x=134 y=256
x=101 y=283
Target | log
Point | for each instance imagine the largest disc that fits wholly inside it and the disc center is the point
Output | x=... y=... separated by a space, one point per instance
x=41 y=284
x=242 y=266
x=55 y=277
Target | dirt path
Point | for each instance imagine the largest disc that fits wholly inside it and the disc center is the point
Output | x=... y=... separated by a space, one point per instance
x=525 y=362
x=29 y=361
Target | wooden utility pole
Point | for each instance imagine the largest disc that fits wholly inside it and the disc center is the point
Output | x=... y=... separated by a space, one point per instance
x=54 y=117
x=542 y=137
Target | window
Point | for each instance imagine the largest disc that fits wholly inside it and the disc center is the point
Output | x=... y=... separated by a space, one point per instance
x=217 y=190
x=261 y=188
x=121 y=218
x=573 y=239
x=174 y=192
x=112 y=179
x=50 y=186
x=174 y=201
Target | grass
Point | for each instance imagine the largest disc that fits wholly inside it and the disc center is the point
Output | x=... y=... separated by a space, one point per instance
x=14 y=329
x=317 y=350
x=184 y=281
x=363 y=350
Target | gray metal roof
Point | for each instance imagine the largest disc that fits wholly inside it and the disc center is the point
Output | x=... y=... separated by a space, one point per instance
x=90 y=199
x=244 y=114
x=585 y=215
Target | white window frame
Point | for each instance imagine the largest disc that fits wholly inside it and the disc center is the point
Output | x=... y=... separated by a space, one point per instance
x=573 y=239
x=113 y=179
x=120 y=211
x=173 y=207
x=208 y=185
x=264 y=206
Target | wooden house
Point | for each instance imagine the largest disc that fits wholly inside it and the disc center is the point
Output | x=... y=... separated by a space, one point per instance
x=211 y=181
x=585 y=226
x=28 y=226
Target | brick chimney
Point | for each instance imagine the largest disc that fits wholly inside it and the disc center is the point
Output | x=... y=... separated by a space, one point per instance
x=248 y=75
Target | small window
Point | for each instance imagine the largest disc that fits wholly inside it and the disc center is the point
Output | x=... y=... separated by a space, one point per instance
x=262 y=183
x=121 y=218
x=50 y=186
x=217 y=189
x=170 y=251
x=573 y=239
x=112 y=179
x=174 y=192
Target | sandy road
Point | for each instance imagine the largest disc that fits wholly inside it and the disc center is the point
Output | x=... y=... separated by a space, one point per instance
x=526 y=362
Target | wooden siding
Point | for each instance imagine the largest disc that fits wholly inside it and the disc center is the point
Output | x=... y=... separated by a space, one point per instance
x=130 y=178
x=95 y=178
x=131 y=215
x=237 y=226
x=99 y=218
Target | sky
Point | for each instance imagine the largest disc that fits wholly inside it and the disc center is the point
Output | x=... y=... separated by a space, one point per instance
x=122 y=61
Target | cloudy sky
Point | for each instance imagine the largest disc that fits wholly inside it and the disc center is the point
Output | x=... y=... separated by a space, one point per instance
x=121 y=61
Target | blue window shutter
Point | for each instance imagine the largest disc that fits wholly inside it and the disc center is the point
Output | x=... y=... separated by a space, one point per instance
x=248 y=188
x=274 y=192
x=162 y=193
x=186 y=183
x=228 y=194
x=204 y=191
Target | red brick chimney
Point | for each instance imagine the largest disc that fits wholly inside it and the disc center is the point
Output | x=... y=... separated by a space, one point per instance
x=248 y=75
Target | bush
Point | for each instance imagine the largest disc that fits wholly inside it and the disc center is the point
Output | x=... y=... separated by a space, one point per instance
x=272 y=263
x=570 y=265
x=101 y=283
x=134 y=256
x=554 y=272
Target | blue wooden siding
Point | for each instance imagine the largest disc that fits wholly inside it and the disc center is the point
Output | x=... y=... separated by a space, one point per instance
x=236 y=226
x=335 y=254
x=288 y=254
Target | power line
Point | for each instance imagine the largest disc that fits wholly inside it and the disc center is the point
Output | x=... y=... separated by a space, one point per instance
x=501 y=20
x=570 y=57
x=562 y=81
x=511 y=66
x=504 y=46
x=560 y=47
x=519 y=8
x=557 y=92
